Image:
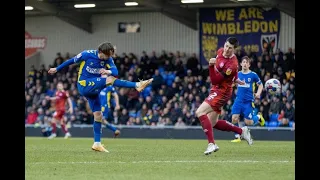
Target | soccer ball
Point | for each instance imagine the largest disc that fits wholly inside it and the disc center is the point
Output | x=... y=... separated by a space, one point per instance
x=273 y=86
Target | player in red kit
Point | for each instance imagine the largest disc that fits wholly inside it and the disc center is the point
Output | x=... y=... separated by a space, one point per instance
x=60 y=99
x=223 y=71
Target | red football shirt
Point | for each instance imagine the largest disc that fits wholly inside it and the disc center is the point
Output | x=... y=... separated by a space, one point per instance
x=61 y=98
x=224 y=72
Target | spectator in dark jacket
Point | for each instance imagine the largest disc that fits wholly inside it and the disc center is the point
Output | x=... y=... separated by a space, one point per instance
x=289 y=115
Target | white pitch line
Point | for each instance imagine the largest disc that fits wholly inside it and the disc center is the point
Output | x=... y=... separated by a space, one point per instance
x=183 y=161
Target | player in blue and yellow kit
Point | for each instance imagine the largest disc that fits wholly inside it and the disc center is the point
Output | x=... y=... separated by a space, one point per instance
x=94 y=64
x=244 y=102
x=105 y=100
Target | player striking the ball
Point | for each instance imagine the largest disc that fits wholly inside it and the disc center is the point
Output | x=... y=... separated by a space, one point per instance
x=93 y=64
x=244 y=103
x=60 y=99
x=223 y=71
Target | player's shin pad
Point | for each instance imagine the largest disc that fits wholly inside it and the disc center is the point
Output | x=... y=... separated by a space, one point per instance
x=124 y=83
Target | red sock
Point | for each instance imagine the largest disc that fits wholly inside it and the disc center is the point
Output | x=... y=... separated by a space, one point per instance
x=227 y=126
x=207 y=127
x=64 y=128
x=54 y=127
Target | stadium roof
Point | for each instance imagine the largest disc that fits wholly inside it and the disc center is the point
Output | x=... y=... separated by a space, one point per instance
x=182 y=12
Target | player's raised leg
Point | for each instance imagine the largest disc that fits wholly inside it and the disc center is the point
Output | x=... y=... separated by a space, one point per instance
x=139 y=86
x=202 y=113
x=95 y=85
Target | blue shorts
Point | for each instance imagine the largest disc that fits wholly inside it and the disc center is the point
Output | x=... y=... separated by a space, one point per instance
x=90 y=89
x=244 y=108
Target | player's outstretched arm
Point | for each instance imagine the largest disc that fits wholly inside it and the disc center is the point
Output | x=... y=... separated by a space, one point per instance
x=67 y=63
x=260 y=88
x=61 y=66
x=51 y=98
x=113 y=68
x=116 y=98
x=70 y=105
x=259 y=83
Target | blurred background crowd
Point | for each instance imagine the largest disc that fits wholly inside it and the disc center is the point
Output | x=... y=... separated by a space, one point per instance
x=180 y=85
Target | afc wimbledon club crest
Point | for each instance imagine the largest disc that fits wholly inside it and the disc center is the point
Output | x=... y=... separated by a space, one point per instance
x=269 y=42
x=209 y=46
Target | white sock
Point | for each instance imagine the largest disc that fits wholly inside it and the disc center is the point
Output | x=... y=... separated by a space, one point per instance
x=137 y=84
x=237 y=136
x=97 y=143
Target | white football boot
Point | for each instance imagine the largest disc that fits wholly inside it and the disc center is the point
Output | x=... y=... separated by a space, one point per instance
x=247 y=135
x=211 y=148
x=67 y=135
x=53 y=135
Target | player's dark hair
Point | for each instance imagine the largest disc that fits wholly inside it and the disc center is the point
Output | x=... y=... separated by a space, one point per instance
x=234 y=41
x=105 y=48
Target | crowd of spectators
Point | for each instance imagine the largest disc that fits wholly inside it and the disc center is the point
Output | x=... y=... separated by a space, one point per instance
x=180 y=85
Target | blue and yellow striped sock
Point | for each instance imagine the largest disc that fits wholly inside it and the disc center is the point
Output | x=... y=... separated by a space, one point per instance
x=124 y=83
x=111 y=127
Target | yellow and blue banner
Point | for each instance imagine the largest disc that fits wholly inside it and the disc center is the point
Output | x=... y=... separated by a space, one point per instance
x=255 y=28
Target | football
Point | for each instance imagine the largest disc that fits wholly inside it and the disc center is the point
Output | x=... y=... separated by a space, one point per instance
x=273 y=86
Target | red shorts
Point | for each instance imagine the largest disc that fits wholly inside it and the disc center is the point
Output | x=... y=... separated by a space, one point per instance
x=59 y=114
x=217 y=99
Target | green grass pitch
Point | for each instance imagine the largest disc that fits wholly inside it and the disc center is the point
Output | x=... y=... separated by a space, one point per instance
x=155 y=159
